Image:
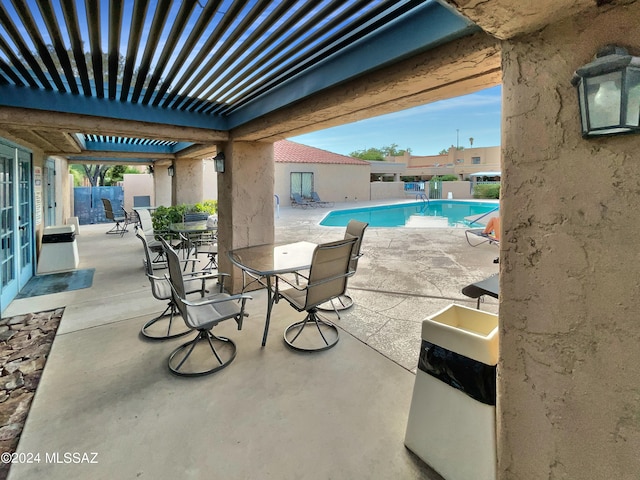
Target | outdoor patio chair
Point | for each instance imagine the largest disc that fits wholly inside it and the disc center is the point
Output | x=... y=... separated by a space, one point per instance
x=118 y=219
x=298 y=201
x=206 y=353
x=162 y=327
x=202 y=243
x=355 y=229
x=328 y=274
x=146 y=225
x=315 y=198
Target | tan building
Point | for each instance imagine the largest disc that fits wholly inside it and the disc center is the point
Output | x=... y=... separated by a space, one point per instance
x=303 y=169
x=457 y=162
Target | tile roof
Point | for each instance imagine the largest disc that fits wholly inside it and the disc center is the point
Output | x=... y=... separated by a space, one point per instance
x=286 y=151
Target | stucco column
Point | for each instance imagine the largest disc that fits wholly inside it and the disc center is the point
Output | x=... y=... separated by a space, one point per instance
x=245 y=201
x=569 y=375
x=188 y=181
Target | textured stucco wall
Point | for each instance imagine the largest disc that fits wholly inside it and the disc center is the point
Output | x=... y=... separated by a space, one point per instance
x=333 y=182
x=188 y=181
x=569 y=373
x=245 y=201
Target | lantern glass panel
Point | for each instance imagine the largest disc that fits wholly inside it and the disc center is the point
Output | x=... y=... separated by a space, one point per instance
x=633 y=97
x=603 y=97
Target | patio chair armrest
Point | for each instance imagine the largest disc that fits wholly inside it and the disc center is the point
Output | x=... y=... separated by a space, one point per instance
x=214 y=300
x=297 y=287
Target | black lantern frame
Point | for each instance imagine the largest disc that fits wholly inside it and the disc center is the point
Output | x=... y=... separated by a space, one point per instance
x=171 y=170
x=609 y=93
x=218 y=162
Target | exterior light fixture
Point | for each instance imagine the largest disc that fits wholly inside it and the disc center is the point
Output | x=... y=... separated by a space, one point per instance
x=218 y=162
x=609 y=93
x=171 y=170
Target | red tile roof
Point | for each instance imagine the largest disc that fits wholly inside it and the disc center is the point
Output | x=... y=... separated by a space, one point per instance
x=286 y=151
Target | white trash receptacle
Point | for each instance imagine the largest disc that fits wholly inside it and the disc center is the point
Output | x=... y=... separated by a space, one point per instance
x=452 y=420
x=59 y=249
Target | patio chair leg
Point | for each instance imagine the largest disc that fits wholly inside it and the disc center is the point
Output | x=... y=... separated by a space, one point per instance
x=345 y=300
x=225 y=345
x=311 y=342
x=154 y=333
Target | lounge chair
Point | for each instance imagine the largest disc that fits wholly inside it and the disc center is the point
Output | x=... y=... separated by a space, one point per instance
x=315 y=198
x=476 y=236
x=298 y=201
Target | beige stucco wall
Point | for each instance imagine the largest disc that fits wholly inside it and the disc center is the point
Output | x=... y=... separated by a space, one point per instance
x=135 y=185
x=387 y=190
x=569 y=375
x=162 y=183
x=459 y=190
x=334 y=183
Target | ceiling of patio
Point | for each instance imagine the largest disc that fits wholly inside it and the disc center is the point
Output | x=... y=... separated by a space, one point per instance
x=145 y=79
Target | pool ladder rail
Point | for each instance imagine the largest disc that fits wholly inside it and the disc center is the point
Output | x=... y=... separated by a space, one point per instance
x=422 y=196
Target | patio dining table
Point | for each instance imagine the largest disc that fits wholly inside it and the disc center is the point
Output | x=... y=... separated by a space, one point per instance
x=263 y=262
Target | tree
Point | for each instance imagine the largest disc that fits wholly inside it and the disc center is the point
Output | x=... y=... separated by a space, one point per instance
x=95 y=174
x=378 y=154
x=445 y=151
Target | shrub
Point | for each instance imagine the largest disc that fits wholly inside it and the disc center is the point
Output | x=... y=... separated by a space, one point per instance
x=487 y=191
x=449 y=178
x=164 y=216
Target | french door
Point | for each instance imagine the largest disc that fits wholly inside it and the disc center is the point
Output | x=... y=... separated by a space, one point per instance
x=16 y=224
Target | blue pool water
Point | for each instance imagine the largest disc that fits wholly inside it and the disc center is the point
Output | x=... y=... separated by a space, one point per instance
x=436 y=213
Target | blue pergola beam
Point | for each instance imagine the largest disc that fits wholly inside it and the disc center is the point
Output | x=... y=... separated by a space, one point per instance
x=23 y=97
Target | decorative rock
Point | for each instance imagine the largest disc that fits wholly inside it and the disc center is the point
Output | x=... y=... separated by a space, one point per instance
x=16 y=320
x=31 y=366
x=3 y=396
x=5 y=336
x=10 y=431
x=31 y=380
x=13 y=381
x=3 y=328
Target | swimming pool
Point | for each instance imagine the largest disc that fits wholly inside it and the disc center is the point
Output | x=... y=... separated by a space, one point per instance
x=435 y=213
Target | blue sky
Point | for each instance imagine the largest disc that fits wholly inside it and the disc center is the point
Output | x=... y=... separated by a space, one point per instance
x=426 y=129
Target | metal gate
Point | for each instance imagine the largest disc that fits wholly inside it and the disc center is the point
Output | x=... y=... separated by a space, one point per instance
x=88 y=204
x=435 y=189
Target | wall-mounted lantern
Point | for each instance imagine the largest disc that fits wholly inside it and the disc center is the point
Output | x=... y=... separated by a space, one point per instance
x=609 y=93
x=171 y=170
x=218 y=162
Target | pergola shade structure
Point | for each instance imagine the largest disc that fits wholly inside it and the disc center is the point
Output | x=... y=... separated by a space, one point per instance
x=213 y=65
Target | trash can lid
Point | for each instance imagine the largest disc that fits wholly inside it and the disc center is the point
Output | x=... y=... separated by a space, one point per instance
x=58 y=229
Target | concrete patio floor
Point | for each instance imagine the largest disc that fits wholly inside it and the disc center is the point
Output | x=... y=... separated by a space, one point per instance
x=273 y=413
